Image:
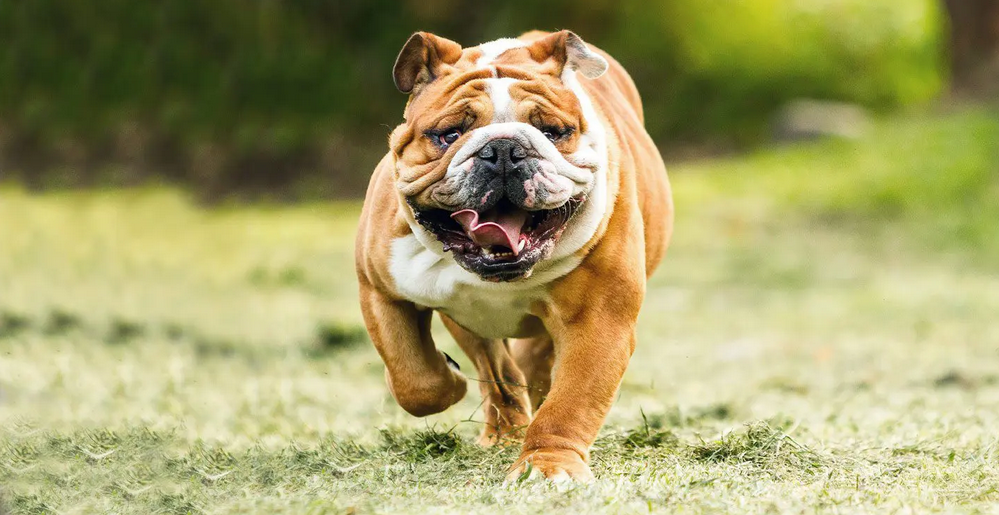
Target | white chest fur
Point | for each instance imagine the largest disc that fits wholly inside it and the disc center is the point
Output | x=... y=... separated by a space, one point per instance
x=431 y=278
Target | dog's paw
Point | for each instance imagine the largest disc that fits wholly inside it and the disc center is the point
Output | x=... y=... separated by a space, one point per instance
x=557 y=465
x=428 y=394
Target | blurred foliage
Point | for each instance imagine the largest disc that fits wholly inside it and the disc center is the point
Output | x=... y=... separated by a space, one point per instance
x=936 y=176
x=260 y=95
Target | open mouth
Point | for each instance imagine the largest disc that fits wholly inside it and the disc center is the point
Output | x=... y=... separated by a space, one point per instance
x=502 y=243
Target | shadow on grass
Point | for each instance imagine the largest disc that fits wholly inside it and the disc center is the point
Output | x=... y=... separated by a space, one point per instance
x=13 y=324
x=329 y=338
x=332 y=337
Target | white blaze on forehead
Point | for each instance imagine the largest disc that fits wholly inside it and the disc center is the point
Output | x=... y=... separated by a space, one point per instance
x=499 y=93
x=494 y=49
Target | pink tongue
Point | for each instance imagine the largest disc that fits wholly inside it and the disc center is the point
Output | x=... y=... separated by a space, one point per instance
x=492 y=227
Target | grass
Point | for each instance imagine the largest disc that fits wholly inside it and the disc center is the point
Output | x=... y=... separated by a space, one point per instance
x=821 y=338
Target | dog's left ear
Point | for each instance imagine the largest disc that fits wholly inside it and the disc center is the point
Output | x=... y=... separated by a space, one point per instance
x=422 y=59
x=569 y=51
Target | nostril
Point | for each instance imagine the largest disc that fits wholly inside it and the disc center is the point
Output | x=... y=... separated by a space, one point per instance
x=517 y=153
x=488 y=153
x=502 y=154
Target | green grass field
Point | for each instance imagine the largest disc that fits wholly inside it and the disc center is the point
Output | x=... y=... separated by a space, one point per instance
x=823 y=336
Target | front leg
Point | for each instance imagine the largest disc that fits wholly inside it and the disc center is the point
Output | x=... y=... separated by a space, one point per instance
x=590 y=365
x=418 y=375
x=594 y=337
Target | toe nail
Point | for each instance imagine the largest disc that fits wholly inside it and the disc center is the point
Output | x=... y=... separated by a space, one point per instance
x=451 y=362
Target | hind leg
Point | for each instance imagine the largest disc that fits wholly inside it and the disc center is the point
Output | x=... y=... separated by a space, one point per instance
x=535 y=357
x=505 y=403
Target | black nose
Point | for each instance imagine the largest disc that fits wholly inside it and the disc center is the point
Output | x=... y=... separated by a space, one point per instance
x=502 y=155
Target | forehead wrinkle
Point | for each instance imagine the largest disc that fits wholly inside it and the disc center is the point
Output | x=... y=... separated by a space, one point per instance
x=445 y=87
x=472 y=93
x=515 y=72
x=461 y=92
x=552 y=102
x=466 y=108
x=463 y=79
x=539 y=87
x=548 y=99
x=548 y=108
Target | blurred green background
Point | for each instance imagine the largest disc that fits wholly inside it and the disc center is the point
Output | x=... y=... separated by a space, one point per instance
x=295 y=99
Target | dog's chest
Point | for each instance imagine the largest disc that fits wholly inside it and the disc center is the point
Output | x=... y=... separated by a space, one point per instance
x=489 y=310
x=489 y=314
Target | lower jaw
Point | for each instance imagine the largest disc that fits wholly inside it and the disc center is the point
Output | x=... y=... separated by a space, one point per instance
x=505 y=270
x=507 y=277
x=498 y=271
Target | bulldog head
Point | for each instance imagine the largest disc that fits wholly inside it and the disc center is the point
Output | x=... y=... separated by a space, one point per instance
x=496 y=155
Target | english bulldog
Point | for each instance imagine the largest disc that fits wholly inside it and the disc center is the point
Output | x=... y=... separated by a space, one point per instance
x=524 y=202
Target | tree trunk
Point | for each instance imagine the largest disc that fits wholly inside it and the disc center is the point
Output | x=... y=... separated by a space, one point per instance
x=974 y=46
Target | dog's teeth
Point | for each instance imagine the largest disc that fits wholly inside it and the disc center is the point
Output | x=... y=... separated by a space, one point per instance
x=490 y=252
x=523 y=243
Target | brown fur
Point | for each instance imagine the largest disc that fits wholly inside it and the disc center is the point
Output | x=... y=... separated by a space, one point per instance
x=586 y=327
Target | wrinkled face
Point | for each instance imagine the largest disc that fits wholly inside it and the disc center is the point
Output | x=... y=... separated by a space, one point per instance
x=496 y=157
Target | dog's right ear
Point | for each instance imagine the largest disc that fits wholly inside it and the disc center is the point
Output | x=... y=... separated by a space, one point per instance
x=423 y=59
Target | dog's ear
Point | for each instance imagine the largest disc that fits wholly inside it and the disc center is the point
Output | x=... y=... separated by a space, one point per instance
x=568 y=51
x=422 y=60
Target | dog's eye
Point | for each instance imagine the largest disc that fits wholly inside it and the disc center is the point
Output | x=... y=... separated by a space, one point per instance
x=554 y=133
x=448 y=137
